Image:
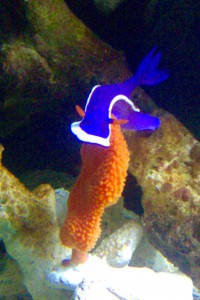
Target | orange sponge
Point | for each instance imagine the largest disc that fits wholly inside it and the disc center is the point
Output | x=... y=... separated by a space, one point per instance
x=99 y=185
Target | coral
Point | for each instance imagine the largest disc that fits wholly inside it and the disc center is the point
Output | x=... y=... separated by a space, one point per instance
x=99 y=185
x=30 y=213
x=166 y=165
x=30 y=231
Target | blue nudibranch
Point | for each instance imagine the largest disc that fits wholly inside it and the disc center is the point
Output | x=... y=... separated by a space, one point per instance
x=106 y=101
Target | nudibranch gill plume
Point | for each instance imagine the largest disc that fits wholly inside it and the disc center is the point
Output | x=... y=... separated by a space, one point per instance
x=105 y=155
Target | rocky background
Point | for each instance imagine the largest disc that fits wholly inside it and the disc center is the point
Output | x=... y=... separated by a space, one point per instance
x=53 y=52
x=137 y=26
x=50 y=60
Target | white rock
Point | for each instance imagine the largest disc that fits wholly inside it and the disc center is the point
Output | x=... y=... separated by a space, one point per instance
x=145 y=284
x=119 y=247
x=61 y=204
x=147 y=256
x=93 y=290
x=127 y=283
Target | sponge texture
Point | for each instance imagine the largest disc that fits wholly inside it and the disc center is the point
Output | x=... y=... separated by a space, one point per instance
x=99 y=185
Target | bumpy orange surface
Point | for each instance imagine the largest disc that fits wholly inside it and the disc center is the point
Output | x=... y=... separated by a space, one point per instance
x=99 y=185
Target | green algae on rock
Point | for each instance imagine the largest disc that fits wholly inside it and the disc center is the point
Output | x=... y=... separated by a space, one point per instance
x=30 y=231
x=28 y=214
x=54 y=61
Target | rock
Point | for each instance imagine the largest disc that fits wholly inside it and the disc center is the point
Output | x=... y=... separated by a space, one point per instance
x=107 y=6
x=148 y=256
x=61 y=204
x=137 y=26
x=118 y=248
x=125 y=283
x=11 y=280
x=32 y=178
x=167 y=166
x=56 y=63
x=24 y=66
x=88 y=290
x=30 y=231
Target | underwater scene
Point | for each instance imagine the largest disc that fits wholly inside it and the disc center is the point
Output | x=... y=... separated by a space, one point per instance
x=99 y=150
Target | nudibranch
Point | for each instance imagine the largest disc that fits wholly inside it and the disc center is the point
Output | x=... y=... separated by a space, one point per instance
x=106 y=101
x=105 y=155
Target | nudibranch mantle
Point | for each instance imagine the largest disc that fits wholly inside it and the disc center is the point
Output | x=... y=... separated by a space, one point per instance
x=108 y=102
x=99 y=133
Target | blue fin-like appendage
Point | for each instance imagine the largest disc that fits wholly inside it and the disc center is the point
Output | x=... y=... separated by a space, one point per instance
x=148 y=72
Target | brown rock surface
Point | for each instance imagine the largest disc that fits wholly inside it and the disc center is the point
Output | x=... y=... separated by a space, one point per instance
x=167 y=166
x=52 y=64
x=30 y=215
x=30 y=232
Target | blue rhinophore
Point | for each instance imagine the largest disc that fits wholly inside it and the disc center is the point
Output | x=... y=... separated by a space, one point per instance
x=108 y=101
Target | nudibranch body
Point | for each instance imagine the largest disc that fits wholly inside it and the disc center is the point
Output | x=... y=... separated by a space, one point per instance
x=108 y=101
